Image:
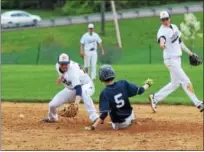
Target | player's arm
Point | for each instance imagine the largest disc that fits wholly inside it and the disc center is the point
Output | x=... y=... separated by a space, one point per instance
x=184 y=48
x=99 y=42
x=77 y=86
x=82 y=46
x=133 y=89
x=104 y=109
x=161 y=39
x=60 y=77
x=162 y=43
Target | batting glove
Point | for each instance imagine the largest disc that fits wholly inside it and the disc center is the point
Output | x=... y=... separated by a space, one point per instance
x=149 y=82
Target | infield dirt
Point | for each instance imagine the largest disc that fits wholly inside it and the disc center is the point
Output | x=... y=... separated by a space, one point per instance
x=171 y=128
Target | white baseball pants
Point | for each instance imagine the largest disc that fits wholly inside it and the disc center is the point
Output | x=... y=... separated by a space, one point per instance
x=178 y=77
x=127 y=123
x=68 y=95
x=90 y=62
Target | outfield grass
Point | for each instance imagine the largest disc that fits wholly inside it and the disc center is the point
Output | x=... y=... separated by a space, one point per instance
x=38 y=82
x=135 y=33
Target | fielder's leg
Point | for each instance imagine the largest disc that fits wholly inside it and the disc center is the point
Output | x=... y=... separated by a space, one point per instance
x=62 y=97
x=94 y=58
x=87 y=91
x=188 y=87
x=186 y=83
x=87 y=59
x=170 y=87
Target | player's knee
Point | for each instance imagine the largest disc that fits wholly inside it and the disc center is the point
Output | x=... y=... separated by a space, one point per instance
x=175 y=84
x=185 y=82
x=52 y=105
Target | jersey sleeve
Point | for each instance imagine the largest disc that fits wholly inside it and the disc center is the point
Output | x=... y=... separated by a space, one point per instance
x=104 y=105
x=132 y=89
x=99 y=40
x=160 y=34
x=82 y=41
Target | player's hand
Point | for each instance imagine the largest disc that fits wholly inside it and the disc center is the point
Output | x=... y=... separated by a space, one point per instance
x=162 y=46
x=59 y=80
x=103 y=53
x=77 y=100
x=149 y=82
x=191 y=53
x=82 y=54
x=89 y=128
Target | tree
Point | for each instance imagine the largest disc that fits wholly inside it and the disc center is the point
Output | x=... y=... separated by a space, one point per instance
x=190 y=28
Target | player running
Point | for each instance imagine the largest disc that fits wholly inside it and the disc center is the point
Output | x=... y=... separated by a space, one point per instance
x=88 y=50
x=78 y=86
x=169 y=38
x=114 y=99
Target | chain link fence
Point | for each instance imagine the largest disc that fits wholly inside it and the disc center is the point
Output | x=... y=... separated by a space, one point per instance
x=48 y=54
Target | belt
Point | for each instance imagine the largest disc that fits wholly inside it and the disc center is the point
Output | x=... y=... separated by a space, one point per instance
x=92 y=49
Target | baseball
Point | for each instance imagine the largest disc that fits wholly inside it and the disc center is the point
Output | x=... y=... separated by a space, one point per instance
x=21 y=116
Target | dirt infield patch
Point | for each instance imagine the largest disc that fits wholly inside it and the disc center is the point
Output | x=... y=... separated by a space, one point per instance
x=172 y=128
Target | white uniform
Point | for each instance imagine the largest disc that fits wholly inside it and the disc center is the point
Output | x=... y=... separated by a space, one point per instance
x=127 y=123
x=73 y=77
x=90 y=43
x=172 y=59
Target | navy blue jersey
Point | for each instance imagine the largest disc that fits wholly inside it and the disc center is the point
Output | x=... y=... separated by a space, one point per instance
x=115 y=100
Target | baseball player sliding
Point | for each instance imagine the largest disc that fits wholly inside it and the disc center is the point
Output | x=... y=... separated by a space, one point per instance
x=78 y=86
x=169 y=39
x=114 y=99
x=88 y=50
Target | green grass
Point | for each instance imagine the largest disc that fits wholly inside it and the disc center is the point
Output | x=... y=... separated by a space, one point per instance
x=135 y=33
x=30 y=82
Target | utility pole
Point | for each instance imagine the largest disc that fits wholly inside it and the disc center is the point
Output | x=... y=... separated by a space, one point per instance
x=115 y=17
x=103 y=17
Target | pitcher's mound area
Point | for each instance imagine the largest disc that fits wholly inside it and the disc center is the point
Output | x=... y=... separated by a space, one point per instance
x=172 y=128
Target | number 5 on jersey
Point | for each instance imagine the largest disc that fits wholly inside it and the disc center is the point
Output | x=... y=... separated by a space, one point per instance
x=120 y=102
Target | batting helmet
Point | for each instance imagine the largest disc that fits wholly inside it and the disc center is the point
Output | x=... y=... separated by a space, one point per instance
x=106 y=72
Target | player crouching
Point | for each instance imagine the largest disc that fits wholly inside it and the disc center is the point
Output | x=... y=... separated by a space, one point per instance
x=114 y=99
x=78 y=86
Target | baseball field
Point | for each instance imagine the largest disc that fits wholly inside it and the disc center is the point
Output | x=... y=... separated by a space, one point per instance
x=27 y=88
x=172 y=128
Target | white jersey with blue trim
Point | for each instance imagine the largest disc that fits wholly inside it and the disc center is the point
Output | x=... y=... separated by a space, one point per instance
x=74 y=75
x=171 y=35
x=90 y=41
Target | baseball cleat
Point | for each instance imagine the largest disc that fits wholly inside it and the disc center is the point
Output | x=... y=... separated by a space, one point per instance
x=201 y=107
x=153 y=103
x=47 y=120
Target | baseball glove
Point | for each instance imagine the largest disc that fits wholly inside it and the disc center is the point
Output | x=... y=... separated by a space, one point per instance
x=70 y=111
x=195 y=60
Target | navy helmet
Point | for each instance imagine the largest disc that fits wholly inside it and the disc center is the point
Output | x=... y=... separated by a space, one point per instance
x=106 y=72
